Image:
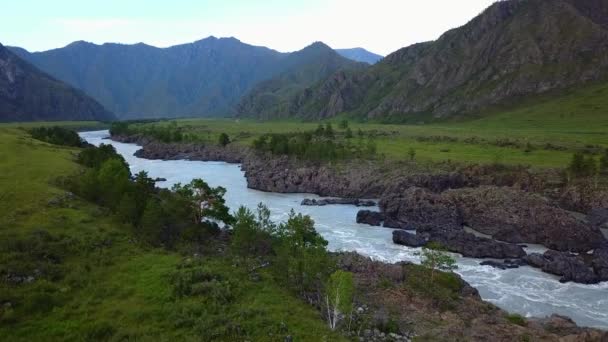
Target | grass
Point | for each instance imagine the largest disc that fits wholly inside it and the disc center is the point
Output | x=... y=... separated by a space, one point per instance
x=92 y=281
x=571 y=122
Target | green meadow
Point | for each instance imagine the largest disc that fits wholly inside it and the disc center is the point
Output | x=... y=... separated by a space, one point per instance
x=91 y=280
x=544 y=133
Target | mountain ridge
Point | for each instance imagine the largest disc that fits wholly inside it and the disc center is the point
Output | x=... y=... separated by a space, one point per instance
x=514 y=48
x=28 y=94
x=207 y=77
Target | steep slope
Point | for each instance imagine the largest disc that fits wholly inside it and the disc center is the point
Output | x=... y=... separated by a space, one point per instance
x=360 y=55
x=27 y=94
x=277 y=97
x=514 y=49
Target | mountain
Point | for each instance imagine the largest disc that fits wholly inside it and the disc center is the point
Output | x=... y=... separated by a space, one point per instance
x=276 y=97
x=204 y=78
x=360 y=55
x=28 y=94
x=515 y=49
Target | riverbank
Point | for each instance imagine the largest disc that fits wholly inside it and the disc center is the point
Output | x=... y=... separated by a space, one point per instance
x=524 y=290
x=510 y=205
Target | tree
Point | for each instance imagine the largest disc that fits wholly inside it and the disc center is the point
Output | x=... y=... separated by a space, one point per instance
x=411 y=153
x=113 y=181
x=435 y=259
x=224 y=139
x=604 y=162
x=302 y=259
x=343 y=124
x=338 y=296
x=329 y=131
x=152 y=222
x=581 y=166
x=370 y=148
x=207 y=203
x=320 y=131
x=349 y=133
x=252 y=236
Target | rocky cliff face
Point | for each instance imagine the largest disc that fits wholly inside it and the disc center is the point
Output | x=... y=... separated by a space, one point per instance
x=514 y=49
x=27 y=94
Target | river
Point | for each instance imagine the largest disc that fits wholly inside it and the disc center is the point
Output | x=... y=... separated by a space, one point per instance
x=526 y=291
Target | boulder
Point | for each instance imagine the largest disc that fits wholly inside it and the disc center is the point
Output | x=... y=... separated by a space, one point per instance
x=327 y=201
x=402 y=237
x=598 y=217
x=570 y=267
x=373 y=218
x=473 y=246
x=506 y=264
x=599 y=262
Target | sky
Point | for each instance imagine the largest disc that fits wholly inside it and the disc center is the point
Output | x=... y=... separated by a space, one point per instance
x=381 y=26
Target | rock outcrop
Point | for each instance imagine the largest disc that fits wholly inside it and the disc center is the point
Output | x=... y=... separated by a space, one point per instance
x=569 y=267
x=516 y=216
x=503 y=213
x=329 y=201
x=459 y=241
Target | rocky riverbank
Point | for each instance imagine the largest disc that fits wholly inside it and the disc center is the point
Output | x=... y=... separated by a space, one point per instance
x=508 y=206
x=399 y=309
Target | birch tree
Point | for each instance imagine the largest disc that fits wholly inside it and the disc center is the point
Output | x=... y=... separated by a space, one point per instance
x=338 y=297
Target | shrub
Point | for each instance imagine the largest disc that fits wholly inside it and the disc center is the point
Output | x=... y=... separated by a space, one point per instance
x=57 y=136
x=517 y=319
x=224 y=139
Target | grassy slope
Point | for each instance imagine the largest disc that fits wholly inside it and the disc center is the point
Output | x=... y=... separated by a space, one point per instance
x=572 y=121
x=97 y=283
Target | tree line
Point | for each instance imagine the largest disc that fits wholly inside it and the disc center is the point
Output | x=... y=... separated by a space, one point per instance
x=322 y=144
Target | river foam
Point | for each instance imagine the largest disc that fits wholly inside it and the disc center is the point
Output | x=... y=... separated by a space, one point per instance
x=525 y=290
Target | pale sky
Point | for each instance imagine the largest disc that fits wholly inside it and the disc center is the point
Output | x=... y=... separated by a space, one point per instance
x=381 y=26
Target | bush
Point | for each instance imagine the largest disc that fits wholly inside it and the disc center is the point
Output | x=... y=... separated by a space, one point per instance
x=57 y=136
x=517 y=319
x=582 y=166
x=224 y=139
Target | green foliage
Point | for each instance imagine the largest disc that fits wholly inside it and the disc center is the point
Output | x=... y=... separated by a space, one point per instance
x=343 y=124
x=411 y=153
x=93 y=156
x=224 y=139
x=582 y=166
x=92 y=281
x=604 y=162
x=444 y=291
x=348 y=134
x=434 y=258
x=207 y=203
x=302 y=262
x=57 y=136
x=253 y=236
x=517 y=319
x=339 y=293
x=320 y=145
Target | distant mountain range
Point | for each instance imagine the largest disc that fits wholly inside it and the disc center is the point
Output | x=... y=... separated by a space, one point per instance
x=515 y=49
x=360 y=55
x=204 y=78
x=28 y=94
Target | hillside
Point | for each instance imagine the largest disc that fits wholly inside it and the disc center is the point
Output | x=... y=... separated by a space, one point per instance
x=360 y=55
x=27 y=94
x=514 y=49
x=276 y=97
x=204 y=78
